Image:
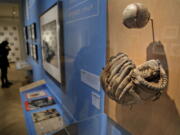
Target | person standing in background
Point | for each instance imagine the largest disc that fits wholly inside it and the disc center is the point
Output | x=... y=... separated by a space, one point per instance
x=4 y=64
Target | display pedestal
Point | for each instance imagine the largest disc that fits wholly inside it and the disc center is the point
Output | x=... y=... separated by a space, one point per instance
x=43 y=113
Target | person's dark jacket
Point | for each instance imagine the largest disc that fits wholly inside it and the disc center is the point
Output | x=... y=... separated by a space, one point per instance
x=4 y=51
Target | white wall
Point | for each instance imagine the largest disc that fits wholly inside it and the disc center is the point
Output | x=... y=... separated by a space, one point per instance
x=7 y=18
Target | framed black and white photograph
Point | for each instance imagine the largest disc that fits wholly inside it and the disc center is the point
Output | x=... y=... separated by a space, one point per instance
x=51 y=31
x=27 y=49
x=29 y=32
x=31 y=50
x=33 y=31
x=25 y=33
x=35 y=52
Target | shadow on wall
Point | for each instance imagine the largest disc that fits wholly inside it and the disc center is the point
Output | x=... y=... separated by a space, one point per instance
x=155 y=50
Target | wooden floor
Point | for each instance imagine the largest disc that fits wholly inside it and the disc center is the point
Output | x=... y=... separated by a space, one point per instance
x=11 y=115
x=160 y=118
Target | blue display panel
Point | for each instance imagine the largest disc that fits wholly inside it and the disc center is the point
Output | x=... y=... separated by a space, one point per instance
x=85 y=47
x=85 y=56
x=84 y=50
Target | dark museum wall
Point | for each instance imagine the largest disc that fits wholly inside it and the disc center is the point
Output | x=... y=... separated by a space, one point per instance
x=151 y=118
x=84 y=50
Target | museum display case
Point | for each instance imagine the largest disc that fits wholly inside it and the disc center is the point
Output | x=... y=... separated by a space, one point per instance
x=110 y=67
x=45 y=115
x=142 y=83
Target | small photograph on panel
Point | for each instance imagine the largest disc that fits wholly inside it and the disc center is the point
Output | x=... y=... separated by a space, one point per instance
x=25 y=33
x=33 y=31
x=29 y=32
x=27 y=48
